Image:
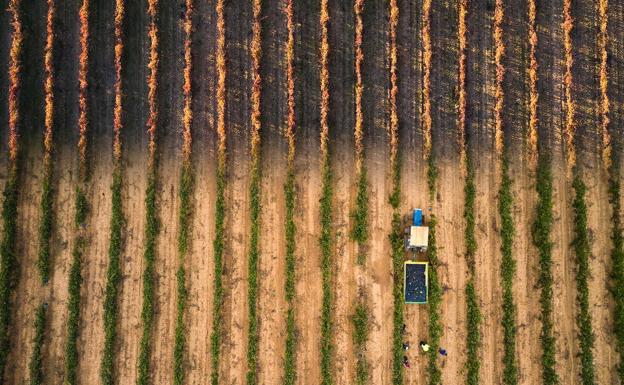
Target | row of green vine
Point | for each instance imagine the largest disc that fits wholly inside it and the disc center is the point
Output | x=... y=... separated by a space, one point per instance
x=582 y=249
x=473 y=313
x=152 y=227
x=541 y=238
x=326 y=269
x=215 y=337
x=508 y=269
x=397 y=249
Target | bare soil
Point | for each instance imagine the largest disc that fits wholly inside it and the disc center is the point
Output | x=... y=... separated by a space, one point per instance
x=376 y=276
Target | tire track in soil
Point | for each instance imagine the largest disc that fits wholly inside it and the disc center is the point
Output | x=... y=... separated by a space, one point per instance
x=238 y=21
x=170 y=153
x=586 y=92
x=515 y=120
x=95 y=262
x=65 y=179
x=134 y=149
x=481 y=77
x=307 y=182
x=449 y=201
x=342 y=153
x=27 y=293
x=376 y=83
x=413 y=167
x=274 y=151
x=200 y=266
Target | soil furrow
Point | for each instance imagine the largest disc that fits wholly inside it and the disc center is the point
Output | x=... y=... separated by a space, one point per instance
x=238 y=19
x=307 y=181
x=413 y=165
x=170 y=154
x=274 y=150
x=200 y=266
x=134 y=139
x=342 y=123
x=375 y=78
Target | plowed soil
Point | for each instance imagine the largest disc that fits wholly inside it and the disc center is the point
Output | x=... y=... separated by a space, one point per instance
x=374 y=280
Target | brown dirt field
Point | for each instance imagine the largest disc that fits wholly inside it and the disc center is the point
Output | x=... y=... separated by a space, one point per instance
x=134 y=146
x=449 y=208
x=167 y=258
x=28 y=290
x=414 y=194
x=449 y=201
x=376 y=277
x=65 y=183
x=480 y=124
x=375 y=107
x=594 y=176
x=341 y=123
x=95 y=262
x=271 y=301
x=515 y=119
x=238 y=122
x=199 y=262
x=308 y=188
x=274 y=148
x=378 y=264
x=308 y=274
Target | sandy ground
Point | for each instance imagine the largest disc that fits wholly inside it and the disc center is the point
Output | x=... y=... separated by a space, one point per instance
x=238 y=123
x=65 y=182
x=341 y=123
x=413 y=193
x=480 y=125
x=28 y=289
x=272 y=302
x=200 y=267
x=95 y=262
x=167 y=260
x=134 y=146
x=307 y=162
x=376 y=276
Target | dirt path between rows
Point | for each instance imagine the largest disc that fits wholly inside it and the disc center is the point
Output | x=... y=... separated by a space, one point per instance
x=414 y=192
x=342 y=151
x=65 y=180
x=95 y=262
x=379 y=278
x=28 y=291
x=308 y=190
x=235 y=310
x=134 y=145
x=27 y=295
x=167 y=201
x=200 y=266
x=271 y=301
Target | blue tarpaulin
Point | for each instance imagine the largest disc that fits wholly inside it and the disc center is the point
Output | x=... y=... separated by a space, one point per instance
x=416 y=282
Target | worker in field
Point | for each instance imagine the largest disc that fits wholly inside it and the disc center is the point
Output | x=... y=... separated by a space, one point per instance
x=406 y=346
x=442 y=352
x=406 y=362
x=424 y=346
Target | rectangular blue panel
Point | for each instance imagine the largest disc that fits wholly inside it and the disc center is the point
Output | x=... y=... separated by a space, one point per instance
x=415 y=282
x=417 y=219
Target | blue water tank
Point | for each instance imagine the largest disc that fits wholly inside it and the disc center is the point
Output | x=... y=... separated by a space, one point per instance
x=417 y=218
